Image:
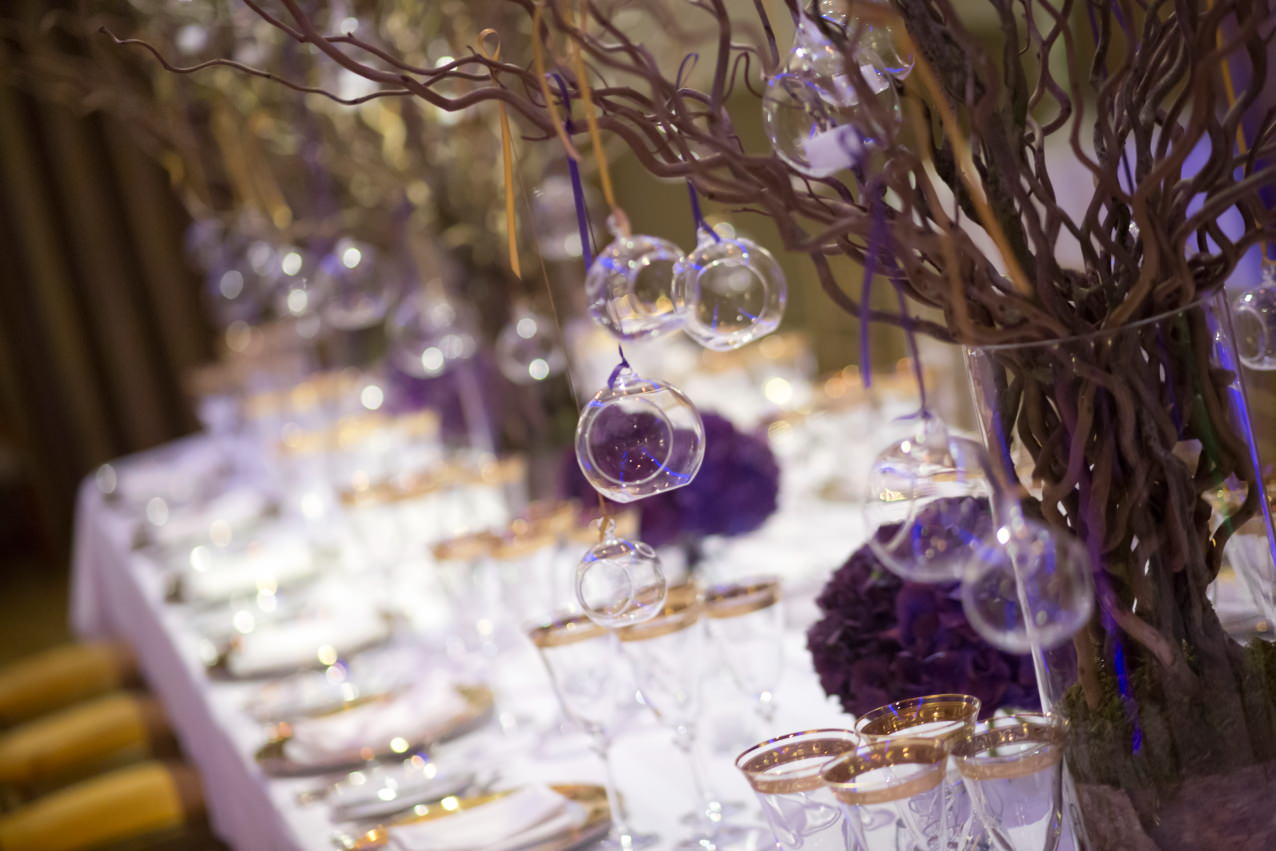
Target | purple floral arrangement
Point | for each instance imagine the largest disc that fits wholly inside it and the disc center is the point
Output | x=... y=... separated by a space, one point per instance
x=734 y=492
x=882 y=639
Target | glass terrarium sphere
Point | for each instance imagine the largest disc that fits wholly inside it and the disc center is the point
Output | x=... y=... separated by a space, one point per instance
x=428 y=333
x=293 y=286
x=527 y=350
x=238 y=277
x=932 y=492
x=620 y=582
x=1056 y=596
x=878 y=38
x=639 y=437
x=630 y=287
x=1254 y=315
x=734 y=290
x=812 y=112
x=354 y=290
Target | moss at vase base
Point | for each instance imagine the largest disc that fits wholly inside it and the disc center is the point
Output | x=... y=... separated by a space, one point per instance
x=1182 y=772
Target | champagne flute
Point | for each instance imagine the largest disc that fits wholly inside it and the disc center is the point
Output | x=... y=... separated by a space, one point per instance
x=667 y=657
x=747 y=624
x=580 y=657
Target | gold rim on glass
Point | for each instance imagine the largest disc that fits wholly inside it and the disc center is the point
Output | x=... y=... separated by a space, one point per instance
x=1038 y=741
x=682 y=609
x=843 y=774
x=763 y=765
x=567 y=630
x=734 y=599
x=903 y=716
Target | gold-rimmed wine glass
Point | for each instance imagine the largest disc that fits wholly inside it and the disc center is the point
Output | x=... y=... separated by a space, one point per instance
x=580 y=657
x=1012 y=768
x=785 y=775
x=746 y=622
x=946 y=718
x=901 y=777
x=667 y=656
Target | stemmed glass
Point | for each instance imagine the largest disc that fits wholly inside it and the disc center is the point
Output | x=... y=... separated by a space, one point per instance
x=785 y=774
x=580 y=657
x=746 y=622
x=1012 y=767
x=945 y=718
x=667 y=656
x=902 y=777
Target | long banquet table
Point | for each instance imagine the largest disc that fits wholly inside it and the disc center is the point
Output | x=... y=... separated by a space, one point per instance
x=119 y=592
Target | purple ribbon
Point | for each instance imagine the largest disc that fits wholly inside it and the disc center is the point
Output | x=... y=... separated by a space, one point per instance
x=578 y=189
x=701 y=224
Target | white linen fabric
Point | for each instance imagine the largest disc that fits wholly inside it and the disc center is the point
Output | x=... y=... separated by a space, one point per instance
x=528 y=815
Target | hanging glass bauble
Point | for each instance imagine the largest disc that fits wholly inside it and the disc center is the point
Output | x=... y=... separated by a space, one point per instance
x=620 y=582
x=1254 y=315
x=931 y=490
x=554 y=219
x=639 y=437
x=878 y=38
x=734 y=290
x=812 y=112
x=630 y=286
x=293 y=286
x=527 y=350
x=429 y=333
x=354 y=290
x=238 y=276
x=1028 y=568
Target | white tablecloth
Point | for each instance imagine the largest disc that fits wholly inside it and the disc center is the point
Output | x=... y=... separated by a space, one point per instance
x=116 y=592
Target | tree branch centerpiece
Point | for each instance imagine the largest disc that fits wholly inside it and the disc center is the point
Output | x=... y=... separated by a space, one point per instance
x=1090 y=320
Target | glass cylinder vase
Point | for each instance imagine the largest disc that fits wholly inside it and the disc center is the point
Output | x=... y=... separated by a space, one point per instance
x=1139 y=442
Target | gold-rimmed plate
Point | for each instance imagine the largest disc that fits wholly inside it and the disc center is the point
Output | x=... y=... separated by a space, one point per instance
x=592 y=798
x=273 y=756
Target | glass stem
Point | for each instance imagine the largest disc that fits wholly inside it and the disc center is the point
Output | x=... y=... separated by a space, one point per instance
x=619 y=819
x=684 y=738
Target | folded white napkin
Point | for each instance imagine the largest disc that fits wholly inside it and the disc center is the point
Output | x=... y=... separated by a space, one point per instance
x=422 y=713
x=297 y=643
x=273 y=563
x=195 y=522
x=531 y=814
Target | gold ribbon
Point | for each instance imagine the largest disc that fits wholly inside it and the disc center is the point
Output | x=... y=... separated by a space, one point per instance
x=595 y=136
x=507 y=154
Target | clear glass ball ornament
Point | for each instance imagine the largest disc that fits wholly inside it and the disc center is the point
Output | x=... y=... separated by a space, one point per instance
x=1030 y=586
x=630 y=287
x=620 y=582
x=293 y=287
x=354 y=290
x=527 y=349
x=878 y=38
x=238 y=278
x=639 y=437
x=1254 y=318
x=428 y=333
x=926 y=503
x=734 y=290
x=554 y=219
x=812 y=112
